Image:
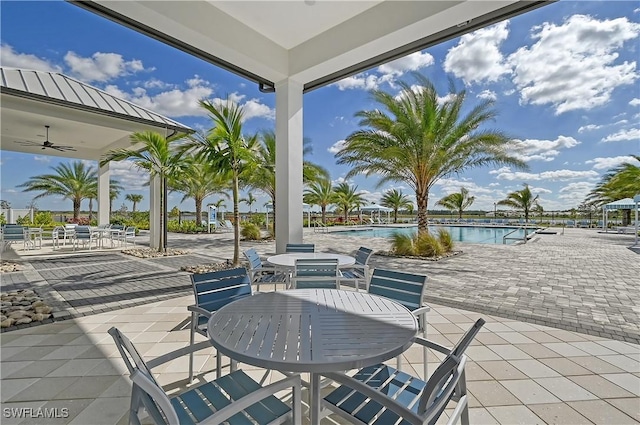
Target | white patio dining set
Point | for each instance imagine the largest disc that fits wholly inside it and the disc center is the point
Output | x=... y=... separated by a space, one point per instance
x=318 y=326
x=87 y=237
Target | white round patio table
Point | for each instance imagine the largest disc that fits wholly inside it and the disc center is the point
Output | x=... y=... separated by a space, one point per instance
x=312 y=330
x=289 y=260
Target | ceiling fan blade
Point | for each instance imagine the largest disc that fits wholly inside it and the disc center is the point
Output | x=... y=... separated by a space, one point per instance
x=62 y=148
x=27 y=143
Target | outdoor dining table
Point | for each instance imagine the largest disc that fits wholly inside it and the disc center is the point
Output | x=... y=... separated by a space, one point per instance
x=314 y=331
x=289 y=259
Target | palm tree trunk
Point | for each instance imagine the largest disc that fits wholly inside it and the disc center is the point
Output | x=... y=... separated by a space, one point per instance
x=422 y=200
x=273 y=204
x=163 y=208
x=134 y=206
x=323 y=208
x=346 y=214
x=395 y=215
x=236 y=221
x=90 y=209
x=76 y=209
x=198 y=210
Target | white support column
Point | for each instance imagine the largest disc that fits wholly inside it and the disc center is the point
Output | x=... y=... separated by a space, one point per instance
x=103 y=194
x=154 y=213
x=288 y=208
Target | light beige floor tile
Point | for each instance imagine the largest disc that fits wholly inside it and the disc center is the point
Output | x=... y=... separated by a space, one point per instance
x=514 y=415
x=8 y=352
x=120 y=388
x=15 y=413
x=593 y=348
x=539 y=336
x=529 y=392
x=11 y=387
x=623 y=362
x=44 y=389
x=26 y=341
x=565 y=389
x=621 y=347
x=37 y=369
x=76 y=367
x=559 y=414
x=564 y=349
x=497 y=327
x=8 y=368
x=534 y=369
x=61 y=411
x=601 y=412
x=480 y=353
x=626 y=380
x=630 y=406
x=515 y=338
x=487 y=338
x=491 y=393
x=502 y=370
x=66 y=352
x=109 y=410
x=565 y=367
x=596 y=365
x=521 y=327
x=481 y=416
x=509 y=352
x=474 y=372
x=87 y=387
x=566 y=336
x=537 y=351
x=600 y=387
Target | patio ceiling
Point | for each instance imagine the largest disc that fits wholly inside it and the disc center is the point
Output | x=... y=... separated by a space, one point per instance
x=79 y=115
x=313 y=42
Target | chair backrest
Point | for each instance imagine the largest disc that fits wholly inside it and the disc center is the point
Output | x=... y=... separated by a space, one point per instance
x=117 y=227
x=13 y=229
x=363 y=255
x=130 y=231
x=445 y=379
x=214 y=290
x=146 y=390
x=254 y=259
x=300 y=247
x=228 y=224
x=83 y=232
x=316 y=273
x=405 y=288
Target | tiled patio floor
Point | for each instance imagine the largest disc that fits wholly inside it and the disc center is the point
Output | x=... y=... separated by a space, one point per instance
x=518 y=372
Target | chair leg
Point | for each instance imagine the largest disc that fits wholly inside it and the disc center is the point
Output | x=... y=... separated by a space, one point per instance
x=194 y=323
x=425 y=349
x=218 y=364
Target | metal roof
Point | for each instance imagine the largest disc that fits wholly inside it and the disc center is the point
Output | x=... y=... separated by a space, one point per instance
x=622 y=204
x=60 y=89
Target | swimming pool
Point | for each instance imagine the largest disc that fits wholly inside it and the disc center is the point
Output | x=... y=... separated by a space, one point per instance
x=471 y=234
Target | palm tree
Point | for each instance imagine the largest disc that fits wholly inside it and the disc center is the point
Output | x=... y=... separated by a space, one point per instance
x=522 y=200
x=134 y=198
x=320 y=193
x=395 y=199
x=226 y=148
x=115 y=188
x=75 y=182
x=157 y=157
x=197 y=181
x=347 y=199
x=620 y=182
x=424 y=139
x=459 y=201
x=249 y=200
x=264 y=176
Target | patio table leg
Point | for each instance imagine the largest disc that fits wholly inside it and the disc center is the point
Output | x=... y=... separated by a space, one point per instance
x=314 y=399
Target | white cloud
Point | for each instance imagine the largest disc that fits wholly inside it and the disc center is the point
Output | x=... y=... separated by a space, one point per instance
x=43 y=159
x=477 y=56
x=11 y=58
x=589 y=127
x=543 y=150
x=487 y=94
x=555 y=175
x=337 y=146
x=412 y=62
x=537 y=190
x=610 y=162
x=100 y=66
x=623 y=135
x=128 y=175
x=571 y=66
x=634 y=102
x=576 y=192
x=500 y=170
x=359 y=81
x=449 y=186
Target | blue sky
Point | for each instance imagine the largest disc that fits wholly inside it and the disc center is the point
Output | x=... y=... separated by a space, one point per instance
x=564 y=79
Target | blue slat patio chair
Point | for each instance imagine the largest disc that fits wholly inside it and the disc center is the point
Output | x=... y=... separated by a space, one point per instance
x=213 y=291
x=407 y=289
x=261 y=273
x=234 y=398
x=316 y=273
x=300 y=247
x=13 y=233
x=84 y=235
x=360 y=270
x=381 y=394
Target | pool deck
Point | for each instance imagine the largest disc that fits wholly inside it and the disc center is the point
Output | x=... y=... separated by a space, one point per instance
x=527 y=365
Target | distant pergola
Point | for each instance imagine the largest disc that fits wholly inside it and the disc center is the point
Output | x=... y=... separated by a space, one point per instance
x=622 y=204
x=379 y=209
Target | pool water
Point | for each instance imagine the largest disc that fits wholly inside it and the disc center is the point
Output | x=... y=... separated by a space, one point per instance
x=471 y=234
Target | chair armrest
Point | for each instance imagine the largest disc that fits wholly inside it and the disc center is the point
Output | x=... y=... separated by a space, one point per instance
x=421 y=310
x=241 y=404
x=178 y=353
x=195 y=309
x=403 y=412
x=432 y=345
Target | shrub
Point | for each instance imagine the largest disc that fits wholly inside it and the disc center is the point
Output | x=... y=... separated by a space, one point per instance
x=23 y=221
x=188 y=226
x=257 y=219
x=3 y=219
x=43 y=218
x=251 y=232
x=402 y=244
x=427 y=245
x=445 y=240
x=82 y=221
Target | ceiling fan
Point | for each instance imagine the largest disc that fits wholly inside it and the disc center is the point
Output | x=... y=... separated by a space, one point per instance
x=46 y=144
